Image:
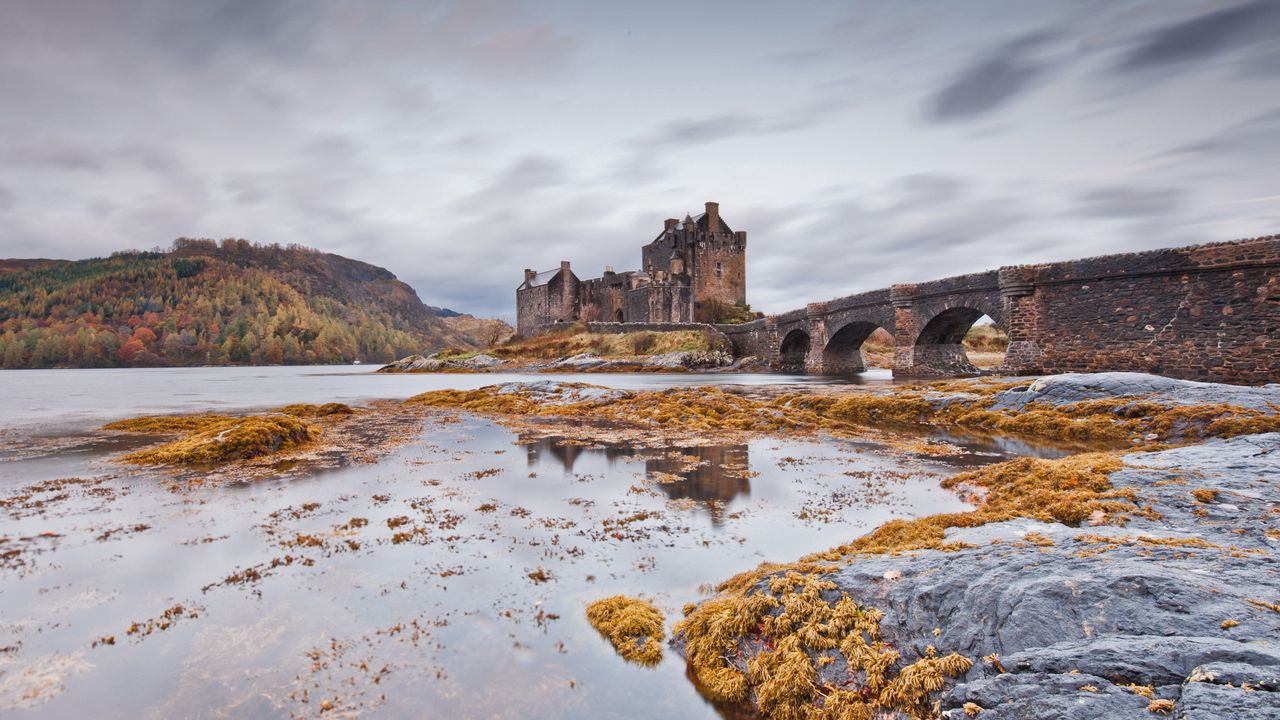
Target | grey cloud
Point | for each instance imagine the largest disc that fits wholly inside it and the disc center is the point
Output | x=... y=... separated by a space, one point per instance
x=1251 y=139
x=688 y=132
x=61 y=155
x=43 y=153
x=1128 y=202
x=6 y=198
x=211 y=30
x=525 y=175
x=1205 y=36
x=245 y=190
x=928 y=188
x=992 y=81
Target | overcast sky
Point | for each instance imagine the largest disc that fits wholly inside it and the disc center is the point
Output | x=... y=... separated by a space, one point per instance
x=456 y=143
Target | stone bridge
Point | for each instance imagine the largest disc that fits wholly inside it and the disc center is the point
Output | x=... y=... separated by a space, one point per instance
x=1207 y=312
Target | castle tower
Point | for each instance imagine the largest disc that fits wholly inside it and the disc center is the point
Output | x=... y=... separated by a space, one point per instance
x=717 y=265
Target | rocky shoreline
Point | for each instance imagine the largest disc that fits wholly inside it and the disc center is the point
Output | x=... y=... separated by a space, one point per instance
x=1164 y=599
x=1137 y=578
x=683 y=361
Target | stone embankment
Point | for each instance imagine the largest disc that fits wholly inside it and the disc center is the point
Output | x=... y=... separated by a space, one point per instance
x=1159 y=593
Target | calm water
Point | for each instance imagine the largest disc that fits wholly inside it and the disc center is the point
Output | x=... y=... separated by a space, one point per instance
x=446 y=580
x=62 y=397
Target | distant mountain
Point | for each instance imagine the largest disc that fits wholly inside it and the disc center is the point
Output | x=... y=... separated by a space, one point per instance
x=218 y=303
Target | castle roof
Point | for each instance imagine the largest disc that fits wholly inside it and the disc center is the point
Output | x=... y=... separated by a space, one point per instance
x=542 y=278
x=702 y=223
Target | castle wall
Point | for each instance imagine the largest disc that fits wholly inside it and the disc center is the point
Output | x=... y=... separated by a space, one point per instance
x=545 y=304
x=533 y=308
x=602 y=299
x=659 y=304
x=694 y=259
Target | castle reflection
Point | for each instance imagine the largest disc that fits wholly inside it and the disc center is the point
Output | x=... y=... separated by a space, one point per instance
x=710 y=476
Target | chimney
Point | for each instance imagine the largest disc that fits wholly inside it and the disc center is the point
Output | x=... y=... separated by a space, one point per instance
x=529 y=275
x=741 y=237
x=608 y=270
x=713 y=217
x=564 y=266
x=670 y=224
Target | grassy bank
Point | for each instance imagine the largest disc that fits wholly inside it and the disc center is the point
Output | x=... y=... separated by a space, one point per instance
x=575 y=341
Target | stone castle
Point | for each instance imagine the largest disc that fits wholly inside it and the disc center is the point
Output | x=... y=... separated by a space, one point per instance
x=693 y=271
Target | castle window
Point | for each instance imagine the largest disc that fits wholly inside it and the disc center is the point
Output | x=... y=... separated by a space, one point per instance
x=719 y=269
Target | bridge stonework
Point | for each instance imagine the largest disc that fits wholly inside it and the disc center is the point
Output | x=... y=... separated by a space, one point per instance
x=1206 y=312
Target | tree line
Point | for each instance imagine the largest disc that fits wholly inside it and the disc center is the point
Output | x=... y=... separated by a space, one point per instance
x=200 y=303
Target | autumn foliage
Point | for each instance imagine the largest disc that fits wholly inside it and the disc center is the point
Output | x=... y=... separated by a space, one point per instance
x=207 y=303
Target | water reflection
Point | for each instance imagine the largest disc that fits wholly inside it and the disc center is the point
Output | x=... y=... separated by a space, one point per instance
x=712 y=476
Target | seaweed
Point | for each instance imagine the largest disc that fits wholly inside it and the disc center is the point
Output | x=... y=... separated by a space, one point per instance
x=321 y=411
x=633 y=626
x=228 y=439
x=802 y=630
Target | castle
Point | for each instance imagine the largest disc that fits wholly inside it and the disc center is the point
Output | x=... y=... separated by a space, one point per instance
x=695 y=270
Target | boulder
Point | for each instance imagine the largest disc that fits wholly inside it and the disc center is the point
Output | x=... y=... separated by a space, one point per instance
x=1059 y=390
x=1170 y=600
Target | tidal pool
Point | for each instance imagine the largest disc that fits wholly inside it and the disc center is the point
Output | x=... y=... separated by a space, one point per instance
x=447 y=579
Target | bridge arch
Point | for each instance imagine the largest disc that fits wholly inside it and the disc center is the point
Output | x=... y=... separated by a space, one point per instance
x=843 y=352
x=938 y=348
x=794 y=351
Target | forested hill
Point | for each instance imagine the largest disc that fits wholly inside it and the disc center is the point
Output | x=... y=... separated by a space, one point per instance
x=216 y=303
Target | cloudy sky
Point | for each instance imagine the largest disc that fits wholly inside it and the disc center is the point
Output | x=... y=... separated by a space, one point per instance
x=456 y=143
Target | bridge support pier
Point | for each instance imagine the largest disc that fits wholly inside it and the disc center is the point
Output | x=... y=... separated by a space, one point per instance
x=836 y=362
x=1022 y=320
x=771 y=342
x=815 y=319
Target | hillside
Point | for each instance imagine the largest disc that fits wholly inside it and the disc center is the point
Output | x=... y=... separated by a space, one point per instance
x=217 y=303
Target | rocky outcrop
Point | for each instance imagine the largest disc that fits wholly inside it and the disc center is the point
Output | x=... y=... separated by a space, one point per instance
x=434 y=363
x=1060 y=390
x=1172 y=611
x=688 y=360
x=582 y=362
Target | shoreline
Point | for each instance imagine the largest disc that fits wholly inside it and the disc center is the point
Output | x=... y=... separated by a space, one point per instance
x=1168 y=482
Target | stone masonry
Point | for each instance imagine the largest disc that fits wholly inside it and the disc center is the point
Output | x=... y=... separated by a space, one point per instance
x=1204 y=312
x=692 y=271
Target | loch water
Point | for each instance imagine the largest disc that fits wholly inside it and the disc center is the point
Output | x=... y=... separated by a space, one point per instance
x=448 y=579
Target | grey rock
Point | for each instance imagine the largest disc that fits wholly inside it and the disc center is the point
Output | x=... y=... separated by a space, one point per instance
x=1049 y=696
x=1111 y=604
x=430 y=363
x=1148 y=659
x=1059 y=390
x=554 y=392
x=482 y=361
x=693 y=360
x=413 y=363
x=1211 y=701
x=1241 y=674
x=582 y=361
